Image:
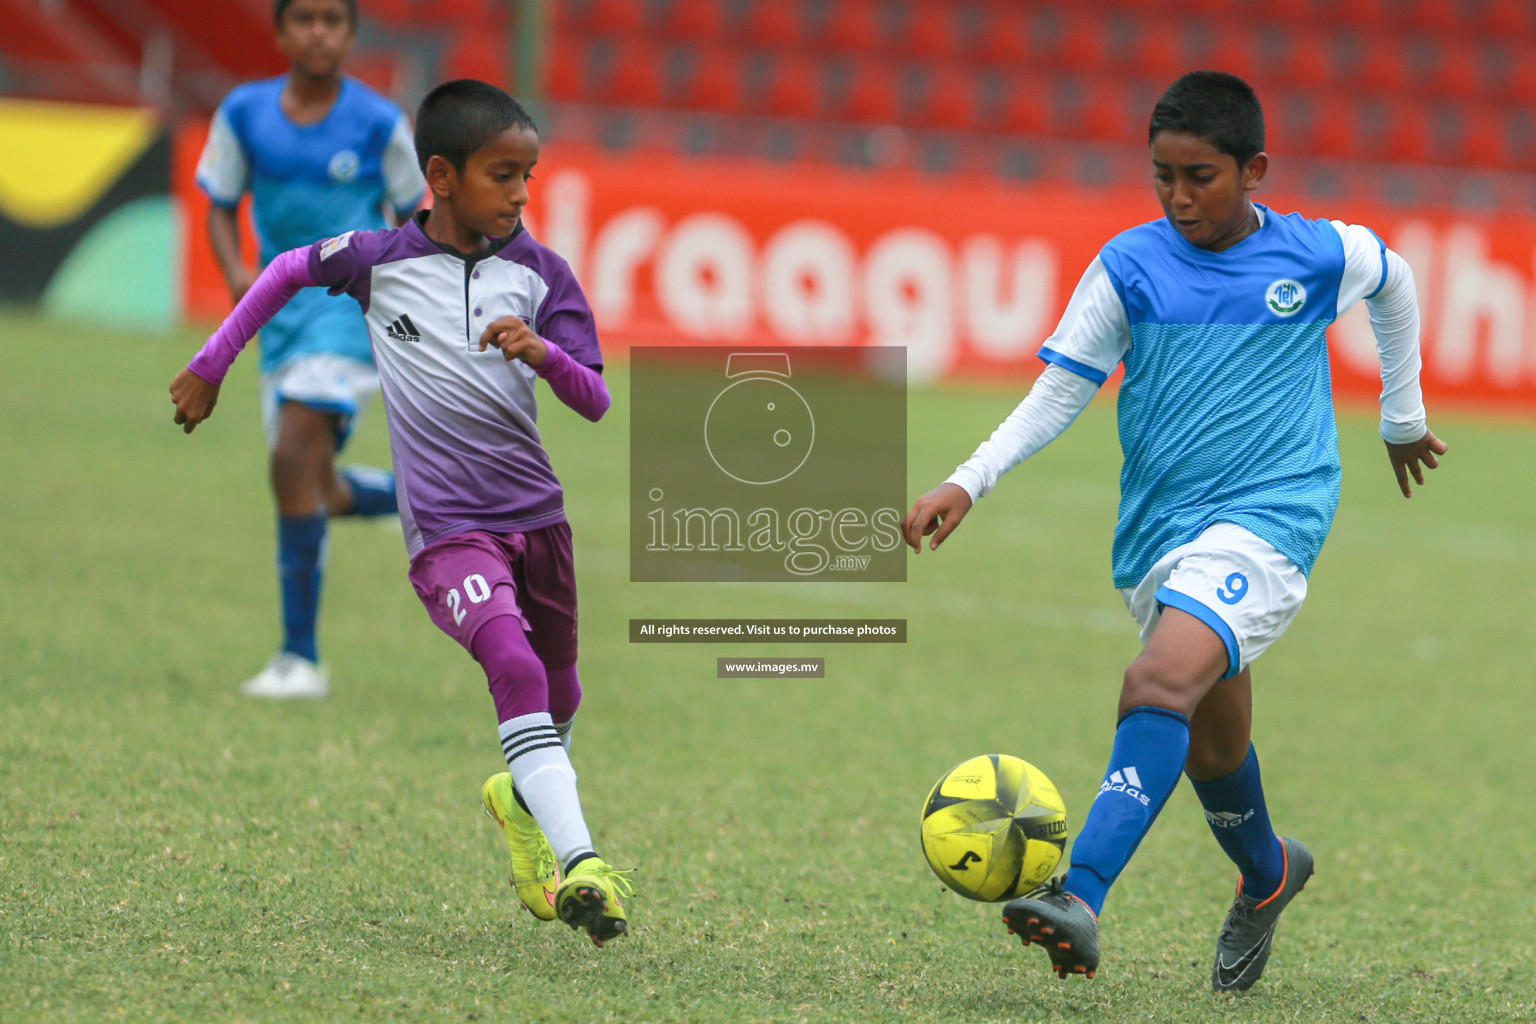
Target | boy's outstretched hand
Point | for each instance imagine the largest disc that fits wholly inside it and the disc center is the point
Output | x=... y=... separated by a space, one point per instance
x=516 y=340
x=938 y=512
x=194 y=398
x=1406 y=458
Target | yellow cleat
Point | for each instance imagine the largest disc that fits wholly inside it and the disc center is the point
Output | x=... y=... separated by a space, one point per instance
x=535 y=875
x=589 y=898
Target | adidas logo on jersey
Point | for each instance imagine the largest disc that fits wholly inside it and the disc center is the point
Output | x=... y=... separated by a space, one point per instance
x=1227 y=819
x=403 y=330
x=1126 y=781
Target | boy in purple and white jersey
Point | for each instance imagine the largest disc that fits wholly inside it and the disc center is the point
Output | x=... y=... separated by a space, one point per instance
x=466 y=312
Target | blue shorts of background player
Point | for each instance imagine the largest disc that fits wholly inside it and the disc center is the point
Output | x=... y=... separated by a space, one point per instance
x=321 y=154
x=1231 y=477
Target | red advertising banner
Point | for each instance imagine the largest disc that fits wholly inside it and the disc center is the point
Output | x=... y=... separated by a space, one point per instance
x=971 y=274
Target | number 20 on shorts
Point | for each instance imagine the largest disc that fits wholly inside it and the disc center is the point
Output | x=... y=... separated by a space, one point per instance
x=476 y=589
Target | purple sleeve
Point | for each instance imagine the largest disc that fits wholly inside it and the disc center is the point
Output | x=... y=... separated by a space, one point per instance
x=578 y=386
x=279 y=282
x=345 y=263
x=565 y=318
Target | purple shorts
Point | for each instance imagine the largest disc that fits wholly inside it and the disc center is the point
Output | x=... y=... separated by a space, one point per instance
x=470 y=578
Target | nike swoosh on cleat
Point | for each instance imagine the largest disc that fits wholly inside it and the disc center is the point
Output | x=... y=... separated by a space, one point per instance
x=550 y=897
x=1243 y=962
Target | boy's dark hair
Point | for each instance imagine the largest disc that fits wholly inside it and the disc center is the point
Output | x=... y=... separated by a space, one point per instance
x=1215 y=106
x=459 y=117
x=281 y=8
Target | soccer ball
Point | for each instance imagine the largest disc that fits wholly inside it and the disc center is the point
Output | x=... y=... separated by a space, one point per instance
x=994 y=828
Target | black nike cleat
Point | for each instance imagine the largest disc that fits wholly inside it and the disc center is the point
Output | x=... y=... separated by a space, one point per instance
x=1243 y=948
x=1065 y=925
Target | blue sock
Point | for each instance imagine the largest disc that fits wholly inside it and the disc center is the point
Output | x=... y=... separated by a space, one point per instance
x=1144 y=767
x=300 y=565
x=373 y=491
x=1234 y=806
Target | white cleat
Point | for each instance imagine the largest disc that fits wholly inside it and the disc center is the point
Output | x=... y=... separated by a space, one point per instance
x=288 y=675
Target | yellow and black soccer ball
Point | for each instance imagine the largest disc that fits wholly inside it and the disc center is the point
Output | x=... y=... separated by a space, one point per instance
x=994 y=827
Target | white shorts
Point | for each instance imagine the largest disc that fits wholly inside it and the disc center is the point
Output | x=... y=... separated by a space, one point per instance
x=329 y=383
x=1230 y=579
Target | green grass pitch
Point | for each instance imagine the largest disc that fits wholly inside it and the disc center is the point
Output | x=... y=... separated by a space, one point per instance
x=171 y=851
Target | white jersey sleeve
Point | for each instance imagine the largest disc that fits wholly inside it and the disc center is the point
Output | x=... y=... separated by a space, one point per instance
x=1385 y=281
x=403 y=184
x=1089 y=342
x=223 y=170
x=1095 y=331
x=1049 y=408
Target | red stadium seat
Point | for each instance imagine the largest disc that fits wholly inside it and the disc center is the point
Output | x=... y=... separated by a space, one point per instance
x=379 y=69
x=873 y=94
x=713 y=81
x=616 y=17
x=1507 y=19
x=1235 y=49
x=1164 y=48
x=392 y=12
x=567 y=71
x=476 y=54
x=1335 y=129
x=26 y=34
x=1520 y=140
x=463 y=14
x=1284 y=12
x=1519 y=85
x=1026 y=106
x=1382 y=65
x=794 y=87
x=636 y=76
x=1209 y=10
x=1316 y=124
x=1108 y=112
x=1409 y=135
x=852 y=26
x=704 y=20
x=1436 y=16
x=1288 y=123
x=932 y=31
x=1003 y=38
x=1365 y=14
x=1082 y=45
x=949 y=98
x=1484 y=137
x=1102 y=113
x=774 y=23
x=1458 y=72
x=1156 y=51
x=1304 y=59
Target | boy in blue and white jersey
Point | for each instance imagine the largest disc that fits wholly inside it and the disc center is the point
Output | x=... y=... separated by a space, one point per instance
x=1230 y=481
x=321 y=154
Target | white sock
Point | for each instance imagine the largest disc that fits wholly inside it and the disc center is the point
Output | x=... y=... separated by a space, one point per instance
x=542 y=772
x=563 y=730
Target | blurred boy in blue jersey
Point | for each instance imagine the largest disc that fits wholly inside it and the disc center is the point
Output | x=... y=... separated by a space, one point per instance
x=1231 y=478
x=321 y=154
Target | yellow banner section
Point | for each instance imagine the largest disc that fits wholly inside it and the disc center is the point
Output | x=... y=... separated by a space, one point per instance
x=57 y=159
